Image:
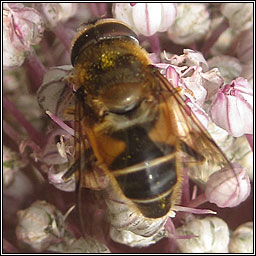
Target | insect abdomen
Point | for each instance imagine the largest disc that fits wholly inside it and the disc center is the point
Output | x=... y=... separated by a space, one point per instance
x=145 y=172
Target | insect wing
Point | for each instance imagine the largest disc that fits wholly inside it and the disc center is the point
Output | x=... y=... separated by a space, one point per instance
x=199 y=150
x=87 y=175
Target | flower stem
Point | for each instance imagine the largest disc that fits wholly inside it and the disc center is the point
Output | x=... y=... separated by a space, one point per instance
x=98 y=10
x=9 y=131
x=63 y=36
x=214 y=37
x=103 y=9
x=35 y=71
x=36 y=136
x=155 y=44
x=8 y=247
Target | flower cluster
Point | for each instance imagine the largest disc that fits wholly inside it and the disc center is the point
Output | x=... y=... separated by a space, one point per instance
x=205 y=51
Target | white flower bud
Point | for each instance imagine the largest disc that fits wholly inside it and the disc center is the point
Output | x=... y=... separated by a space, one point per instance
x=229 y=67
x=242 y=153
x=221 y=137
x=241 y=240
x=240 y=15
x=191 y=25
x=56 y=12
x=11 y=164
x=39 y=226
x=211 y=236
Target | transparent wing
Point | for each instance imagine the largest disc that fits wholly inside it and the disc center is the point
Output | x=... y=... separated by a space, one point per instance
x=88 y=176
x=199 y=150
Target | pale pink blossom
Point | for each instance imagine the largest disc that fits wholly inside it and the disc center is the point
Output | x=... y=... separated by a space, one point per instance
x=146 y=18
x=56 y=179
x=228 y=187
x=189 y=58
x=22 y=27
x=56 y=12
x=232 y=108
x=25 y=25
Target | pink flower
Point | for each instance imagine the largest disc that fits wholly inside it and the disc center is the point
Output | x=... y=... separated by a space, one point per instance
x=193 y=74
x=190 y=58
x=25 y=24
x=232 y=108
x=55 y=178
x=228 y=187
x=194 y=92
x=146 y=18
x=23 y=27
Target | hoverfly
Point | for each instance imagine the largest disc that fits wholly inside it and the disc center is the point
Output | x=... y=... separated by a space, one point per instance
x=140 y=131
